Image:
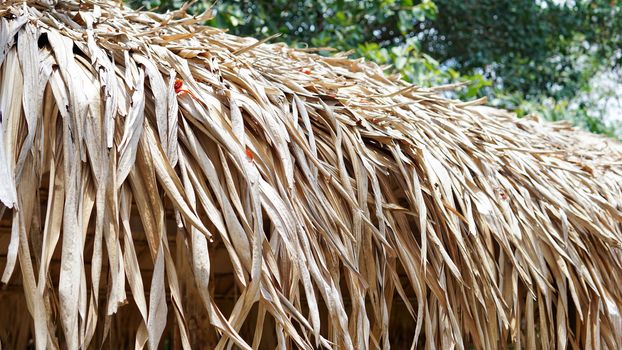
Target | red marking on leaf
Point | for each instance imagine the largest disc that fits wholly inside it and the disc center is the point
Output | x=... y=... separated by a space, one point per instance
x=249 y=153
x=306 y=71
x=502 y=194
x=180 y=89
x=178 y=85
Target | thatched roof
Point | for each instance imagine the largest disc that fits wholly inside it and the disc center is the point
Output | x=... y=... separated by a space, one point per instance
x=339 y=195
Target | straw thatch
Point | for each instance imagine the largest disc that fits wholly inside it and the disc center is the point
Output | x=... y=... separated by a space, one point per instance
x=139 y=153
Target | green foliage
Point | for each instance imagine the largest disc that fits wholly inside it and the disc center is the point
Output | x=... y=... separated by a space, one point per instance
x=530 y=56
x=540 y=55
x=336 y=23
x=581 y=114
x=514 y=41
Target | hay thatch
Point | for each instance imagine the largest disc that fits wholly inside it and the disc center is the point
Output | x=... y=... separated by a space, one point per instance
x=338 y=194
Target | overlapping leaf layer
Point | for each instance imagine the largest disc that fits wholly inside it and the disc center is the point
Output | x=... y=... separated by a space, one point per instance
x=340 y=196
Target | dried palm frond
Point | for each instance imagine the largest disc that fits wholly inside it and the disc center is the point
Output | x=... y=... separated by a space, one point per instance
x=144 y=158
